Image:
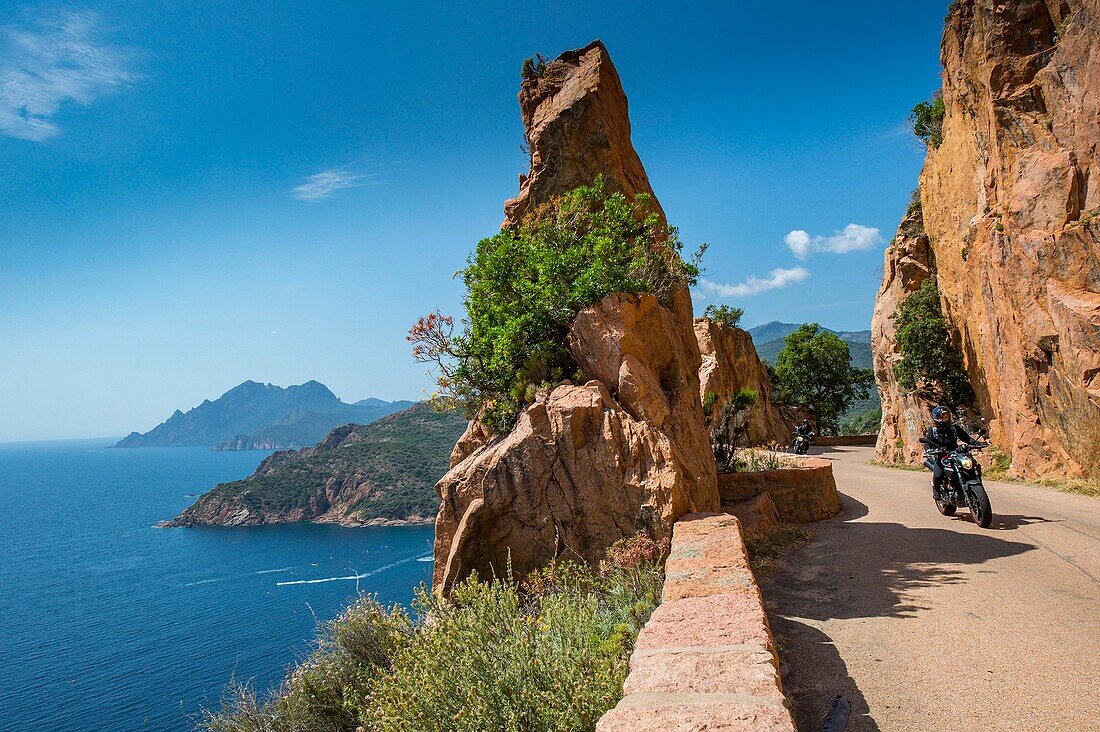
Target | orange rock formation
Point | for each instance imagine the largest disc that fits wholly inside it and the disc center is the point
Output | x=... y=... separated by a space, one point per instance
x=1011 y=207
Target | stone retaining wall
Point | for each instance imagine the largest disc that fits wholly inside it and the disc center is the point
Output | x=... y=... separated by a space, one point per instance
x=801 y=494
x=706 y=659
x=847 y=440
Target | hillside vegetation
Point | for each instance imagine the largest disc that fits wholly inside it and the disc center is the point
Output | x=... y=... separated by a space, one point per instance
x=382 y=472
x=547 y=655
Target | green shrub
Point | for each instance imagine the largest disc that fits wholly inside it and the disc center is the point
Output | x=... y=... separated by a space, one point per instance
x=525 y=287
x=724 y=314
x=731 y=426
x=927 y=120
x=533 y=67
x=927 y=352
x=550 y=654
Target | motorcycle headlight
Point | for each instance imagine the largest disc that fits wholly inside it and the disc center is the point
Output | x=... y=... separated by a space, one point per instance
x=966 y=462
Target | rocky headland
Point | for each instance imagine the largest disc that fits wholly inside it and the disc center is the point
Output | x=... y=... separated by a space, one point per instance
x=359 y=475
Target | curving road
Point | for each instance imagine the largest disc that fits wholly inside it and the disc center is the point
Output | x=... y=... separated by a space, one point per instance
x=929 y=623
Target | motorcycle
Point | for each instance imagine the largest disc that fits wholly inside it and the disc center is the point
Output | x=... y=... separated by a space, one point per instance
x=962 y=481
x=801 y=443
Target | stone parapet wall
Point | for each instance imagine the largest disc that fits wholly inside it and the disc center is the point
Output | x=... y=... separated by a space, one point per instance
x=801 y=494
x=847 y=440
x=706 y=659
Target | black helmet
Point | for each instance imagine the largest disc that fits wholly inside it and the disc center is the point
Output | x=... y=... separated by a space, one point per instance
x=941 y=415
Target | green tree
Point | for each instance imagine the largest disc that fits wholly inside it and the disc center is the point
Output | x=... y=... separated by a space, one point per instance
x=927 y=120
x=724 y=314
x=814 y=370
x=525 y=286
x=928 y=354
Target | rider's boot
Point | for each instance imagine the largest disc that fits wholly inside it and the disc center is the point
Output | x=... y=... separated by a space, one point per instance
x=936 y=486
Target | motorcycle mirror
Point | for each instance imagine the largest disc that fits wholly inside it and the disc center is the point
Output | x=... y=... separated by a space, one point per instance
x=982 y=432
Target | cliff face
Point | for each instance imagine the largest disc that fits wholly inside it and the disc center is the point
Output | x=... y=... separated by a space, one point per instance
x=628 y=450
x=379 y=473
x=730 y=364
x=905 y=414
x=1011 y=207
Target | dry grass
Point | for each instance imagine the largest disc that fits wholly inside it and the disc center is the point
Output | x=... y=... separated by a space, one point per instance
x=766 y=553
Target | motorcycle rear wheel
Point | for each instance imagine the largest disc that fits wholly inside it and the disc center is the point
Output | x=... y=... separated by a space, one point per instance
x=980 y=509
x=945 y=508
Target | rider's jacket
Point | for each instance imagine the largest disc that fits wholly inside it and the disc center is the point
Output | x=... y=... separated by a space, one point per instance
x=947 y=437
x=803 y=430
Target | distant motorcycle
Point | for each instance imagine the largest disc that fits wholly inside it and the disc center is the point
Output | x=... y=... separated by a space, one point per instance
x=801 y=443
x=962 y=481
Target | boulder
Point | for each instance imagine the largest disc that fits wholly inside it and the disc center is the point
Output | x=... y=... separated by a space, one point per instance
x=1011 y=209
x=730 y=364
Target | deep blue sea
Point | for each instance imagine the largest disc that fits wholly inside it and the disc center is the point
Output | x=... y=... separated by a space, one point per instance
x=107 y=623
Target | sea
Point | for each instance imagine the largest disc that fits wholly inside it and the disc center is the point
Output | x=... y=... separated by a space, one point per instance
x=109 y=623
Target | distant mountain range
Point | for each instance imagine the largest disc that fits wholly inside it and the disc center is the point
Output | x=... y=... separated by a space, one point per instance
x=255 y=416
x=381 y=473
x=770 y=338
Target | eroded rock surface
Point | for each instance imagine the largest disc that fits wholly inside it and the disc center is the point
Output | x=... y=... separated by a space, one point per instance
x=588 y=464
x=905 y=414
x=577 y=126
x=730 y=363
x=1011 y=206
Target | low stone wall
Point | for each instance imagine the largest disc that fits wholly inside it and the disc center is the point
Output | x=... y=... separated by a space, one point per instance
x=800 y=494
x=847 y=440
x=706 y=659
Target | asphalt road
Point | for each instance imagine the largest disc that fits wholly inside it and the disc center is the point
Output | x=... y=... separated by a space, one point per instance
x=928 y=623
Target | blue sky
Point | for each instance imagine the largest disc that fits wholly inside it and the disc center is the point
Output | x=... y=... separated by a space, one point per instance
x=194 y=194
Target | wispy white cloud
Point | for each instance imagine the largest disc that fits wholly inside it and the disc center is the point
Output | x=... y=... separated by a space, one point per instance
x=854 y=237
x=61 y=56
x=776 y=279
x=324 y=184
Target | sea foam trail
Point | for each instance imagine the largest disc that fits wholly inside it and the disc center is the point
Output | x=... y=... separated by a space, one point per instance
x=426 y=559
x=273 y=571
x=347 y=578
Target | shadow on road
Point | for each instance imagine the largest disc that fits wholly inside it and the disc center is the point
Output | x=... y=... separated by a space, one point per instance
x=814 y=674
x=1012 y=521
x=861 y=569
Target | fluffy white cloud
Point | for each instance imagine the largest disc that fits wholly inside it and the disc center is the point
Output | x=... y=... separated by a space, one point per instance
x=324 y=184
x=60 y=57
x=776 y=279
x=854 y=237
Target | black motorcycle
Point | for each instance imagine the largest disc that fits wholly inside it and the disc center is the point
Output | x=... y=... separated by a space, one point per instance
x=801 y=444
x=962 y=481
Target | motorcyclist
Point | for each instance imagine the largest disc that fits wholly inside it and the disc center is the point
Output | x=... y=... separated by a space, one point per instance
x=804 y=429
x=942 y=437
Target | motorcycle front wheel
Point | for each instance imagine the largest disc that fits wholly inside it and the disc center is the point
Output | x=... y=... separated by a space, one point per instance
x=980 y=509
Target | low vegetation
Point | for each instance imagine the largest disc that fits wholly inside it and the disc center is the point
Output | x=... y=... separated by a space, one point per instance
x=814 y=370
x=929 y=357
x=766 y=552
x=547 y=654
x=730 y=427
x=724 y=315
x=927 y=120
x=866 y=423
x=524 y=288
